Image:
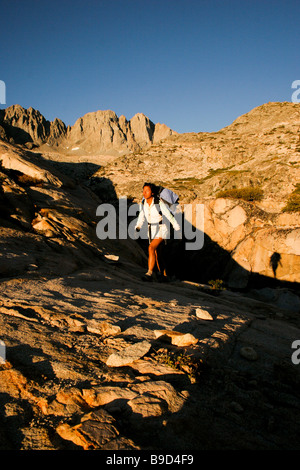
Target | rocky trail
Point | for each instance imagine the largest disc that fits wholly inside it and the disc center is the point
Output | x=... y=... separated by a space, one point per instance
x=92 y=362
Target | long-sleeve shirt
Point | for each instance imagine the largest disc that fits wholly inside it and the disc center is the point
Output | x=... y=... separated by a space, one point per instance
x=153 y=214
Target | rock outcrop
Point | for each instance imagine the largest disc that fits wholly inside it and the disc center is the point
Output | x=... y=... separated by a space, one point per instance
x=259 y=242
x=44 y=210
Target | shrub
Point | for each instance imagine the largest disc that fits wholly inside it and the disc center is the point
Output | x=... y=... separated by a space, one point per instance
x=293 y=202
x=26 y=180
x=216 y=284
x=250 y=193
x=180 y=361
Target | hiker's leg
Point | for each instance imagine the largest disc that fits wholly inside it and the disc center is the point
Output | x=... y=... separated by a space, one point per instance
x=160 y=260
x=152 y=253
x=157 y=260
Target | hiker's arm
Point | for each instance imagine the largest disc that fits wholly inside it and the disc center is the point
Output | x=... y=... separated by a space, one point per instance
x=169 y=215
x=140 y=219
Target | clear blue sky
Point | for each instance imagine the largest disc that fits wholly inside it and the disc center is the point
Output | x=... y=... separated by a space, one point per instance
x=195 y=65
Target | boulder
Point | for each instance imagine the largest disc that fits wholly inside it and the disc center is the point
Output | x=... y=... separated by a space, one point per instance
x=148 y=406
x=128 y=355
x=96 y=430
x=29 y=164
x=258 y=242
x=176 y=338
x=101 y=396
x=248 y=353
x=203 y=314
x=103 y=328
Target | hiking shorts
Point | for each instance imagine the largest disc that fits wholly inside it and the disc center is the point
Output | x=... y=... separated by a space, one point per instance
x=157 y=231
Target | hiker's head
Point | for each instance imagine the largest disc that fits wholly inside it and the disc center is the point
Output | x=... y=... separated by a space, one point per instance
x=148 y=190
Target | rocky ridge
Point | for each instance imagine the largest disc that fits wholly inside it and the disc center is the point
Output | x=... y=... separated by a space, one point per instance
x=95 y=133
x=104 y=131
x=28 y=126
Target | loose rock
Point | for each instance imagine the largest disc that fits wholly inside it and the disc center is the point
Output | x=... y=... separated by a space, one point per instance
x=103 y=328
x=128 y=355
x=96 y=430
x=147 y=406
x=203 y=314
x=176 y=338
x=249 y=353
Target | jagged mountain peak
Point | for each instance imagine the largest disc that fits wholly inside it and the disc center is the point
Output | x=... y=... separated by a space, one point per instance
x=93 y=133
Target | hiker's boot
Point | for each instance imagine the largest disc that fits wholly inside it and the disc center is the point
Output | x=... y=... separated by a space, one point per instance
x=148 y=277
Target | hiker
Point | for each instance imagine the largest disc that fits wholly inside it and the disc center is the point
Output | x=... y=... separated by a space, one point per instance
x=153 y=209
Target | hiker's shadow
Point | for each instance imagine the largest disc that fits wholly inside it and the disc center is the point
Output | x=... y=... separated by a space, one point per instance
x=275 y=261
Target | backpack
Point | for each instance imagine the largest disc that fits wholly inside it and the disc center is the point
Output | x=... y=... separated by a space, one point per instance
x=169 y=197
